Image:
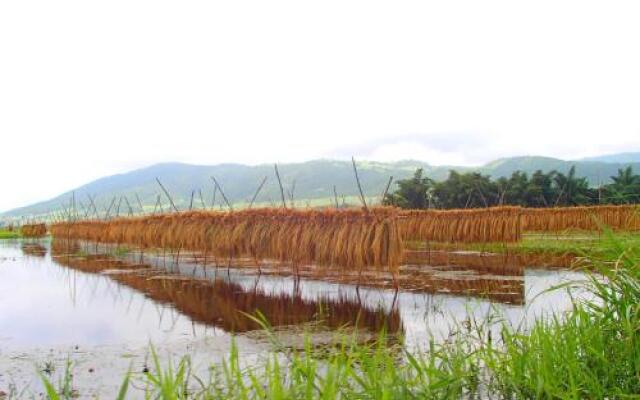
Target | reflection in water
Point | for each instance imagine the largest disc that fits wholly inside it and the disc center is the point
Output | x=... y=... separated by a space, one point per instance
x=82 y=293
x=33 y=249
x=491 y=276
x=226 y=304
x=499 y=263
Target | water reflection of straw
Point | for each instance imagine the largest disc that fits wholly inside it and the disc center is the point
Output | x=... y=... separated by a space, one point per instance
x=225 y=304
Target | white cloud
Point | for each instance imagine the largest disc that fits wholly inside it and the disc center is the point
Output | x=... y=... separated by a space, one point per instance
x=88 y=89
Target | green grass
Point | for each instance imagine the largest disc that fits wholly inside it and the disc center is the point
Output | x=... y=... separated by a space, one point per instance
x=580 y=244
x=591 y=352
x=9 y=235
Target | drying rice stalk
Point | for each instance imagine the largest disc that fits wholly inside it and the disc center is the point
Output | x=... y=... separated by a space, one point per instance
x=557 y=219
x=352 y=239
x=33 y=230
x=497 y=224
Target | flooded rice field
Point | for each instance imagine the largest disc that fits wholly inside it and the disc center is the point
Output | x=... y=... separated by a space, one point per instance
x=101 y=307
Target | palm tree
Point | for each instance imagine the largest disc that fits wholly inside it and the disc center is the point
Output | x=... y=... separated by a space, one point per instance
x=625 y=187
x=572 y=191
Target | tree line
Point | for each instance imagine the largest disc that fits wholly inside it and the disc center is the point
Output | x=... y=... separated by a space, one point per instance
x=550 y=189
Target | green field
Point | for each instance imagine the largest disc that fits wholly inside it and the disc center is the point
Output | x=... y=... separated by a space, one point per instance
x=8 y=234
x=581 y=244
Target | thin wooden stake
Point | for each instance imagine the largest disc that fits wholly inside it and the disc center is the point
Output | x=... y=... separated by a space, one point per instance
x=386 y=190
x=168 y=195
x=255 y=195
x=155 y=207
x=140 y=203
x=355 y=170
x=284 y=202
x=291 y=197
x=93 y=204
x=129 y=206
x=222 y=193
x=118 y=207
x=335 y=196
x=204 y=207
x=108 y=210
x=73 y=205
x=213 y=198
x=85 y=211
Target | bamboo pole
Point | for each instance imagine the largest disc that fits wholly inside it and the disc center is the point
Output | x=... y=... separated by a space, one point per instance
x=355 y=171
x=140 y=204
x=93 y=204
x=213 y=198
x=128 y=206
x=255 y=195
x=386 y=189
x=284 y=203
x=222 y=193
x=167 y=193
x=108 y=210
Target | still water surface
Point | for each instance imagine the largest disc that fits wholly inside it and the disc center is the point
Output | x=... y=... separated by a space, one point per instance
x=51 y=300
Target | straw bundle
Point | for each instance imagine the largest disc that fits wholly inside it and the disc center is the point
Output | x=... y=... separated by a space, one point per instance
x=625 y=217
x=33 y=230
x=349 y=238
x=497 y=224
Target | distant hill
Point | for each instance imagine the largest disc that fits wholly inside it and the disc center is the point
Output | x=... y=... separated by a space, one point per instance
x=616 y=158
x=596 y=172
x=314 y=181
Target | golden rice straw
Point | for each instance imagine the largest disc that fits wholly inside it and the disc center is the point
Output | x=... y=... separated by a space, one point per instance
x=624 y=218
x=496 y=224
x=33 y=230
x=348 y=238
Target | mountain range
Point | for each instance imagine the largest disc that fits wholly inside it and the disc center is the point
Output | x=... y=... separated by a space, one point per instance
x=306 y=183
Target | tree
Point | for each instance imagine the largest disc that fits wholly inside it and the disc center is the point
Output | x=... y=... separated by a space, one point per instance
x=625 y=187
x=572 y=191
x=471 y=190
x=414 y=192
x=468 y=190
x=514 y=190
x=540 y=191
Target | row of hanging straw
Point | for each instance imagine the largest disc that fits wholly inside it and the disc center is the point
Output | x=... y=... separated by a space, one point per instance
x=496 y=224
x=624 y=217
x=347 y=238
x=33 y=230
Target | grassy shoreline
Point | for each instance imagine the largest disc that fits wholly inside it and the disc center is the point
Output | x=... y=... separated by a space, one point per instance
x=4 y=234
x=576 y=243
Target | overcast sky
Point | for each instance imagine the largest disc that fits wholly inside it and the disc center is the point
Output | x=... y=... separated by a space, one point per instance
x=93 y=88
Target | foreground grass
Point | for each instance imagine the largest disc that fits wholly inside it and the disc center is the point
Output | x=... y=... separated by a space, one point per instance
x=592 y=352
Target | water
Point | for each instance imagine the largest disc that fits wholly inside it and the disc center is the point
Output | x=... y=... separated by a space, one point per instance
x=49 y=301
x=100 y=308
